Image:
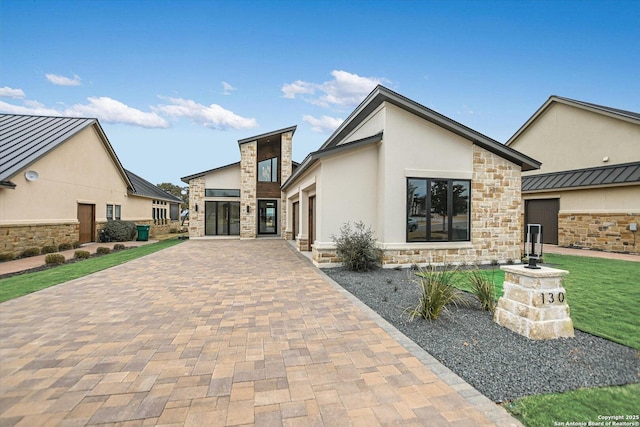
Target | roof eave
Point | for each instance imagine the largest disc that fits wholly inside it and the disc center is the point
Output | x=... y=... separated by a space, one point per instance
x=291 y=129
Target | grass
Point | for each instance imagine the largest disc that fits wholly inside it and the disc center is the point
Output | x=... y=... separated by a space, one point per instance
x=602 y=295
x=16 y=286
x=577 y=406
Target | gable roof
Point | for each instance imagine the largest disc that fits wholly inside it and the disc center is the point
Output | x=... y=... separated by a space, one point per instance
x=268 y=134
x=25 y=139
x=628 y=173
x=142 y=187
x=628 y=116
x=382 y=94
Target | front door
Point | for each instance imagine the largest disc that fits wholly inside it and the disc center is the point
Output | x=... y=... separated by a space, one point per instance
x=221 y=218
x=87 y=219
x=312 y=220
x=296 y=207
x=267 y=217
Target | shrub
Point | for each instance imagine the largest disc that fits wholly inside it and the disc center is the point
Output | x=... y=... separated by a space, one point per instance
x=484 y=289
x=49 y=249
x=76 y=244
x=357 y=248
x=101 y=250
x=54 y=259
x=119 y=247
x=65 y=246
x=81 y=254
x=30 y=252
x=7 y=256
x=437 y=290
x=118 y=231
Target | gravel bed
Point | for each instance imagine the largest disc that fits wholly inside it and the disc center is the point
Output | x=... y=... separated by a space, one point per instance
x=499 y=363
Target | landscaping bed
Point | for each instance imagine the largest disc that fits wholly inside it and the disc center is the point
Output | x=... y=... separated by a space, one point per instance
x=499 y=363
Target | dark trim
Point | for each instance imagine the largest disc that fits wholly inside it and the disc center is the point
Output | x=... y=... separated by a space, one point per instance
x=268 y=134
x=188 y=178
x=277 y=228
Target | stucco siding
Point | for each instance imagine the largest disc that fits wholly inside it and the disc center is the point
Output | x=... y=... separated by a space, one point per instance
x=373 y=124
x=80 y=170
x=566 y=137
x=226 y=178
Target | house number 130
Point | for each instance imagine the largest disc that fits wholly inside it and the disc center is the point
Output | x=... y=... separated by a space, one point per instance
x=551 y=297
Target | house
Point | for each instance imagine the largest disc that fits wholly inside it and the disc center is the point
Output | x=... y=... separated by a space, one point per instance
x=243 y=199
x=432 y=189
x=587 y=192
x=60 y=179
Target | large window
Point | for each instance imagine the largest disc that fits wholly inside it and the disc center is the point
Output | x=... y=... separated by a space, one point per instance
x=221 y=218
x=268 y=170
x=438 y=210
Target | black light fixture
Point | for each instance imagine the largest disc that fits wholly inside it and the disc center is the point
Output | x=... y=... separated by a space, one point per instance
x=196 y=208
x=248 y=208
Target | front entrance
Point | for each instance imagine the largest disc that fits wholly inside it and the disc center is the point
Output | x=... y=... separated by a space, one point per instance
x=545 y=213
x=267 y=217
x=222 y=218
x=87 y=219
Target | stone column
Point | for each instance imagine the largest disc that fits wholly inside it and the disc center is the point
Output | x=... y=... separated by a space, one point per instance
x=534 y=303
x=286 y=169
x=196 y=198
x=248 y=184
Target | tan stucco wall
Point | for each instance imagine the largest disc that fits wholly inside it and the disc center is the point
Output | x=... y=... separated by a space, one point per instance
x=79 y=171
x=566 y=137
x=225 y=178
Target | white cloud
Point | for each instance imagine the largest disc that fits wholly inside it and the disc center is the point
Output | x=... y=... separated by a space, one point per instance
x=227 y=88
x=213 y=116
x=345 y=90
x=62 y=80
x=105 y=109
x=112 y=111
x=324 y=124
x=8 y=92
x=29 y=108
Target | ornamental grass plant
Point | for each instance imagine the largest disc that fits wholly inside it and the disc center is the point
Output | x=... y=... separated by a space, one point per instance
x=484 y=289
x=438 y=288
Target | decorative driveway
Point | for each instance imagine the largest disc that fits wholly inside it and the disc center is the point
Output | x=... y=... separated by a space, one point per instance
x=219 y=332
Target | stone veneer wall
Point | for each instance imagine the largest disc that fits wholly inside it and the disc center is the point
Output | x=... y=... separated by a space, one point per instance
x=496 y=230
x=196 y=197
x=248 y=183
x=17 y=238
x=606 y=232
x=286 y=169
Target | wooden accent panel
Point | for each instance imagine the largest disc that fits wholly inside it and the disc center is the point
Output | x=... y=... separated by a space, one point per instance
x=269 y=150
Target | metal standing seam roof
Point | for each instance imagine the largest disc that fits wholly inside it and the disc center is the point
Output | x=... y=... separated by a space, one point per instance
x=142 y=187
x=24 y=139
x=627 y=173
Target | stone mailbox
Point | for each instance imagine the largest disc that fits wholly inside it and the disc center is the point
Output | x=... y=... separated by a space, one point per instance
x=534 y=303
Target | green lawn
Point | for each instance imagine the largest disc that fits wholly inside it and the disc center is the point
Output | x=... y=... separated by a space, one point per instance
x=603 y=296
x=578 y=406
x=16 y=286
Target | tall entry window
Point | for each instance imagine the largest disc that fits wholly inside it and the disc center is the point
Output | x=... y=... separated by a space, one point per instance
x=438 y=210
x=267 y=216
x=222 y=218
x=268 y=170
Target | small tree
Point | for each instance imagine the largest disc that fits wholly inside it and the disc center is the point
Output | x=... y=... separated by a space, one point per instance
x=357 y=248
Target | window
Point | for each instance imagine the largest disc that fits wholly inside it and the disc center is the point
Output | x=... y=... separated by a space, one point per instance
x=117 y=209
x=220 y=192
x=109 y=212
x=438 y=210
x=268 y=170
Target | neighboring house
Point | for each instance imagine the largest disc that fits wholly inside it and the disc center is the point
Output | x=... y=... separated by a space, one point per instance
x=432 y=189
x=243 y=199
x=587 y=192
x=60 y=180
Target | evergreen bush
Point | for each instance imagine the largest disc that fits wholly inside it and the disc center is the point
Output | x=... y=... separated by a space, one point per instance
x=29 y=252
x=357 y=247
x=81 y=254
x=49 y=249
x=119 y=247
x=118 y=231
x=65 y=246
x=7 y=256
x=54 y=259
x=101 y=250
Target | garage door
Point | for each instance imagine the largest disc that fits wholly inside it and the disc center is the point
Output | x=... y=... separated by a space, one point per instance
x=544 y=212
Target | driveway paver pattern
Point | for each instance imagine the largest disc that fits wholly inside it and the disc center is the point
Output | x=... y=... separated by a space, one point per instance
x=222 y=332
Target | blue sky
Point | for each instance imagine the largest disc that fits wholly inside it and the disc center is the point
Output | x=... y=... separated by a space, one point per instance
x=175 y=84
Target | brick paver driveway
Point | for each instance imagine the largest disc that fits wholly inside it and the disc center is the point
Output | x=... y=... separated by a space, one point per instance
x=214 y=333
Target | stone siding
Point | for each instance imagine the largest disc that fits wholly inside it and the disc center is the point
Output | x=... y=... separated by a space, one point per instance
x=285 y=172
x=496 y=208
x=17 y=238
x=248 y=188
x=605 y=232
x=196 y=197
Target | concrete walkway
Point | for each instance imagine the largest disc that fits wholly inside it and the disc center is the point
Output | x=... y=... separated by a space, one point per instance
x=23 y=264
x=219 y=333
